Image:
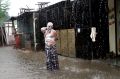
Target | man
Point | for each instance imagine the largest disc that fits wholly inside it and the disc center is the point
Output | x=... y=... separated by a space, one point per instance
x=50 y=36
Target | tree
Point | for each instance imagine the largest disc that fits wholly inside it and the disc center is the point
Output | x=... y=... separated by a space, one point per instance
x=3 y=11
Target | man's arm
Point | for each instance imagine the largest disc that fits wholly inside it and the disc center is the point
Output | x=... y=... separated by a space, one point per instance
x=43 y=29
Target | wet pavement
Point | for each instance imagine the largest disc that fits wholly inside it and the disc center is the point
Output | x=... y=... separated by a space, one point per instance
x=17 y=64
x=113 y=61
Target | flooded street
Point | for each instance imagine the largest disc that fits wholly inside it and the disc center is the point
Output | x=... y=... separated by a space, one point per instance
x=16 y=64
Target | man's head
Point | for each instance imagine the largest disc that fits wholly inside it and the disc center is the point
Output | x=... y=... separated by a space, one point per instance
x=49 y=25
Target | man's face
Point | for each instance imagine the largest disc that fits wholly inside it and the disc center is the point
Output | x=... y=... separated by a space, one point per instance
x=49 y=27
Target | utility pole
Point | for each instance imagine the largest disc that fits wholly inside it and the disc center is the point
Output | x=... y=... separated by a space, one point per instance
x=23 y=10
x=41 y=4
x=34 y=29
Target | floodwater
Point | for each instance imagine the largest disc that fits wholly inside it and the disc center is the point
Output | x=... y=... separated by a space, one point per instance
x=17 y=64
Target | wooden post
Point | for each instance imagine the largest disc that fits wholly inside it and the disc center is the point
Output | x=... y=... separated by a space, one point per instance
x=2 y=36
x=8 y=33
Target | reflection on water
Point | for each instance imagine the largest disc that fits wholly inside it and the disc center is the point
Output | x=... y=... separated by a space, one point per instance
x=16 y=64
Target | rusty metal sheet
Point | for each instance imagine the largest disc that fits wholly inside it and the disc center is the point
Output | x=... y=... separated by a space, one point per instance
x=71 y=43
x=64 y=42
x=58 y=42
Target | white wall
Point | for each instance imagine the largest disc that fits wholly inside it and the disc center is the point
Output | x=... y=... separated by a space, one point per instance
x=112 y=26
x=112 y=38
x=118 y=25
x=8 y=31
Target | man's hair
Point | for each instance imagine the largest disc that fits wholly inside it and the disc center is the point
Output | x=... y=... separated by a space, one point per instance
x=49 y=24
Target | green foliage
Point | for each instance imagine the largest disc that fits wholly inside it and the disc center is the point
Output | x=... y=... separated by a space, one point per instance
x=3 y=11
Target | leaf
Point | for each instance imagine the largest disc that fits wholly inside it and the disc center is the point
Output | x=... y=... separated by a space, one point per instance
x=3 y=11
